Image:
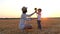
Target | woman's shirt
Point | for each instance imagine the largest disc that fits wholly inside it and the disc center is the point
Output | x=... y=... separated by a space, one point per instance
x=24 y=18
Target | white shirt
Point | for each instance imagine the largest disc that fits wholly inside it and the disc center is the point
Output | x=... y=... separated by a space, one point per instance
x=23 y=20
x=39 y=16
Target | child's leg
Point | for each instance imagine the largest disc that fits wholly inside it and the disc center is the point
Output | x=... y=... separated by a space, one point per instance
x=39 y=24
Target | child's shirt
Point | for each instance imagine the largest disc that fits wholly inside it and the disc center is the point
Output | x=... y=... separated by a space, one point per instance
x=39 y=16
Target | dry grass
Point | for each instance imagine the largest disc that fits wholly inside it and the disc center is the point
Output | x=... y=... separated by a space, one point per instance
x=49 y=26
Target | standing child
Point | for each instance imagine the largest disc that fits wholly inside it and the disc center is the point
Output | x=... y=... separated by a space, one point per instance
x=39 y=17
x=22 y=24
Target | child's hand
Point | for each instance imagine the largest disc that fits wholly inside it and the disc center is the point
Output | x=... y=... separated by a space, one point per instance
x=35 y=10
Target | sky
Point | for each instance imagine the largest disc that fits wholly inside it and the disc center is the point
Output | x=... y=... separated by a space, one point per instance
x=12 y=8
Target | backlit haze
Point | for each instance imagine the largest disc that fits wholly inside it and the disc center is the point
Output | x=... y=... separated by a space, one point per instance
x=12 y=8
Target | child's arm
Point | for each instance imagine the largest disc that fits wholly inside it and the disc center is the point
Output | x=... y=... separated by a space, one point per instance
x=38 y=13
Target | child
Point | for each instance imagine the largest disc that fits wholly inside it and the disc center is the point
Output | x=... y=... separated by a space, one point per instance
x=22 y=24
x=39 y=17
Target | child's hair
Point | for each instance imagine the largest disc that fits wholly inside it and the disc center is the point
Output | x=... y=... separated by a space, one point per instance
x=40 y=9
x=24 y=9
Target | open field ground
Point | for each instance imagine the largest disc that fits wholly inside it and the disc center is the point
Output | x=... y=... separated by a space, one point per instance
x=49 y=26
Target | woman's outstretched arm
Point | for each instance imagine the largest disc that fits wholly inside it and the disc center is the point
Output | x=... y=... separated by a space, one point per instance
x=31 y=14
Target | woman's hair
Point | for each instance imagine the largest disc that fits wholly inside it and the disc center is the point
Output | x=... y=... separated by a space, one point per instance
x=24 y=9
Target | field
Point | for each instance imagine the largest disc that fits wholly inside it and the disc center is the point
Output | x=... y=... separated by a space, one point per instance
x=49 y=26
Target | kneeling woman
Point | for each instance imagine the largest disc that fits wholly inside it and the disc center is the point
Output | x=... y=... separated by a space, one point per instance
x=22 y=24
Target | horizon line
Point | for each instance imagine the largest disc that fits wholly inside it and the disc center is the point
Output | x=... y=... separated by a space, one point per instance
x=47 y=17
